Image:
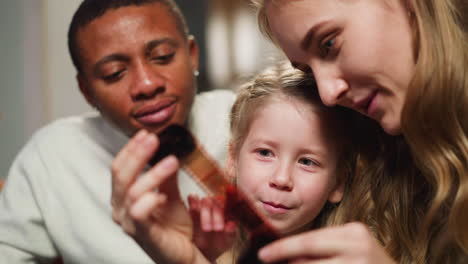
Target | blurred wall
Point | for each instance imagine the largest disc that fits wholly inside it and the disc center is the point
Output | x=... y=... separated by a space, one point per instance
x=11 y=81
x=62 y=92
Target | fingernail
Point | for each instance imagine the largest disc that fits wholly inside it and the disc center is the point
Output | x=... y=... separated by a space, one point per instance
x=263 y=254
x=169 y=161
x=149 y=140
x=140 y=134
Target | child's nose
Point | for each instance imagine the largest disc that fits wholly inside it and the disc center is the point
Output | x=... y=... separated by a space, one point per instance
x=282 y=178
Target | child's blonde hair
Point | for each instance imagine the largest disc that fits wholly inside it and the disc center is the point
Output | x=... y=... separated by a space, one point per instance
x=283 y=82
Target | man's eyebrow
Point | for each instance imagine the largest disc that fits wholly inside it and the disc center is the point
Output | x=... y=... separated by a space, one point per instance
x=311 y=35
x=109 y=58
x=154 y=43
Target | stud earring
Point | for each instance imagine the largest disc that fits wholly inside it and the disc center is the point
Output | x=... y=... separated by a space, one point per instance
x=196 y=73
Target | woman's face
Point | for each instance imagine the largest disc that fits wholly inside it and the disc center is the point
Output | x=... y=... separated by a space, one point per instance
x=360 y=52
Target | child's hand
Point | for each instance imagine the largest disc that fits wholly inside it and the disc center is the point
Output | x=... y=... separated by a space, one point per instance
x=212 y=233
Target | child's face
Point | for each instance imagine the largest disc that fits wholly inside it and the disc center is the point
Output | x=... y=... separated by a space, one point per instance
x=287 y=164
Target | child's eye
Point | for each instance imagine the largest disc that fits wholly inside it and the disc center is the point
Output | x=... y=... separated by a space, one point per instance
x=265 y=152
x=307 y=162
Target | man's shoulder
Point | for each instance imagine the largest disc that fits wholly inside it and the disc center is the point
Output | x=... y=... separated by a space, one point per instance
x=68 y=126
x=57 y=139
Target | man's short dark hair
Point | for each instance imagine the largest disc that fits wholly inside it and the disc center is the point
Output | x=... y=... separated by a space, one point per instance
x=89 y=10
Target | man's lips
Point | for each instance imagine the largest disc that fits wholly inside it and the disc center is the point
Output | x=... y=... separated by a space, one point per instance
x=157 y=112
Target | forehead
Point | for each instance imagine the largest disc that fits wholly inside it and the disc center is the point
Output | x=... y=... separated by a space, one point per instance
x=128 y=25
x=276 y=111
x=290 y=20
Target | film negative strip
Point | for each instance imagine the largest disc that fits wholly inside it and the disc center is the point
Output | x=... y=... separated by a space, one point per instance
x=178 y=141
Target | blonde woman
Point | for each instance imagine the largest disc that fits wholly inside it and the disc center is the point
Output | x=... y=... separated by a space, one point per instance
x=404 y=64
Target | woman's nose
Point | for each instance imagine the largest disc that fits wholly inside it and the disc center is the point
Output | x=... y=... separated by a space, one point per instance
x=331 y=89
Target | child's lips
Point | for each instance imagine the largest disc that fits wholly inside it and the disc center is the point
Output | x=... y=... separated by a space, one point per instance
x=275 y=208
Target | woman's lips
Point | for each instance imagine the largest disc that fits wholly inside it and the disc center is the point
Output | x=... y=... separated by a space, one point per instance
x=367 y=105
x=156 y=113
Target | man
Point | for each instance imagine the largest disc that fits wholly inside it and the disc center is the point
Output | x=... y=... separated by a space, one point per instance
x=137 y=65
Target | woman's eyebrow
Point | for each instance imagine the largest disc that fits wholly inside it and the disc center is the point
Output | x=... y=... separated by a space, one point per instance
x=311 y=35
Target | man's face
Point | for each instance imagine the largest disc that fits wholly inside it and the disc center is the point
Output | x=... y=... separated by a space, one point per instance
x=137 y=68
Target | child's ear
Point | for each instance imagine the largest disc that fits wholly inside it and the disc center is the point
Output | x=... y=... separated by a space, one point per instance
x=336 y=194
x=231 y=162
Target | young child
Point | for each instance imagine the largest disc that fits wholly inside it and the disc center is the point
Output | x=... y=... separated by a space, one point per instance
x=289 y=154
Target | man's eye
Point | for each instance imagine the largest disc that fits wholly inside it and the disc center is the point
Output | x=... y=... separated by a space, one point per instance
x=307 y=162
x=164 y=59
x=113 y=77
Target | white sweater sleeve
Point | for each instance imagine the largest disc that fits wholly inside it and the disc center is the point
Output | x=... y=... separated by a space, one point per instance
x=23 y=235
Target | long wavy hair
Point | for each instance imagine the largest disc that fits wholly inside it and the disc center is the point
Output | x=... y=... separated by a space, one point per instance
x=418 y=194
x=435 y=125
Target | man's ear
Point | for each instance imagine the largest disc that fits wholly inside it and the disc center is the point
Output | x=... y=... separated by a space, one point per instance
x=336 y=194
x=194 y=52
x=231 y=162
x=85 y=90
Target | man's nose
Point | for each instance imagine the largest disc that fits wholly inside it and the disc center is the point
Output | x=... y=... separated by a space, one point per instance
x=331 y=88
x=147 y=82
x=282 y=178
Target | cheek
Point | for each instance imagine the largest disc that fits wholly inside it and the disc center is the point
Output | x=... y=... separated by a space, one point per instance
x=115 y=104
x=249 y=176
x=117 y=107
x=182 y=83
x=361 y=60
x=313 y=193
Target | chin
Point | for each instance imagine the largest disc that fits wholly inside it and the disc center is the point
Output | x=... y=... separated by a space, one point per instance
x=394 y=130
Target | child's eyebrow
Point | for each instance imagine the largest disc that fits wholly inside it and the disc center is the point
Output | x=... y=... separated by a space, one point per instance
x=316 y=151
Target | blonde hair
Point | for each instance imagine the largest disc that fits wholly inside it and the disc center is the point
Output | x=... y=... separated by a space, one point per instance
x=419 y=200
x=438 y=100
x=283 y=82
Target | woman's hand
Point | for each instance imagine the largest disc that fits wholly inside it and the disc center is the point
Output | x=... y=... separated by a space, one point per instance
x=350 y=243
x=213 y=235
x=149 y=207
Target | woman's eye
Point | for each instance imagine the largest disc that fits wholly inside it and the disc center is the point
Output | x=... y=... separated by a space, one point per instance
x=327 y=46
x=307 y=162
x=329 y=43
